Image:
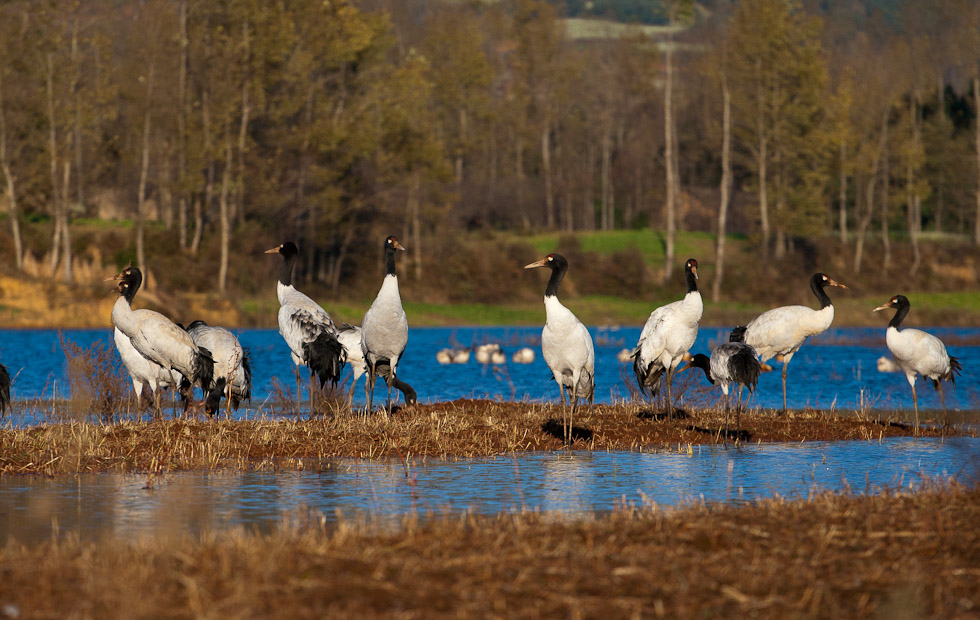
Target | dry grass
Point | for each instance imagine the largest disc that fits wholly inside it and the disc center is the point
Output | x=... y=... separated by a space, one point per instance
x=462 y=428
x=890 y=556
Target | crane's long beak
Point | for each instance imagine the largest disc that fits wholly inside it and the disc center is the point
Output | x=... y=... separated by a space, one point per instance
x=694 y=270
x=883 y=307
x=687 y=357
x=399 y=246
x=274 y=250
x=835 y=283
x=540 y=263
x=114 y=278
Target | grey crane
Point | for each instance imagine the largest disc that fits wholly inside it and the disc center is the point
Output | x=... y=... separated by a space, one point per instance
x=731 y=362
x=232 y=365
x=781 y=332
x=566 y=345
x=384 y=330
x=306 y=327
x=350 y=338
x=156 y=337
x=918 y=353
x=142 y=371
x=668 y=334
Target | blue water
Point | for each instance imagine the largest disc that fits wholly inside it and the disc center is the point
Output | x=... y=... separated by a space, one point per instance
x=33 y=508
x=826 y=372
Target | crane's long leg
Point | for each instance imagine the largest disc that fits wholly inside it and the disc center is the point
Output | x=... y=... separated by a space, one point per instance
x=738 y=411
x=785 y=364
x=915 y=404
x=942 y=398
x=312 y=397
x=728 y=409
x=670 y=398
x=391 y=377
x=571 y=417
x=369 y=390
x=298 y=390
x=564 y=414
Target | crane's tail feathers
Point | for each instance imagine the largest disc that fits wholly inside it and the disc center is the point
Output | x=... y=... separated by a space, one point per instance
x=745 y=369
x=4 y=390
x=203 y=369
x=955 y=368
x=738 y=334
x=326 y=357
x=648 y=381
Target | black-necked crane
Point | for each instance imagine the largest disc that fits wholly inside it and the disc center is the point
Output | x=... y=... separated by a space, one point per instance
x=4 y=390
x=918 y=353
x=731 y=362
x=384 y=330
x=307 y=329
x=668 y=334
x=781 y=332
x=143 y=371
x=350 y=338
x=566 y=345
x=156 y=337
x=232 y=366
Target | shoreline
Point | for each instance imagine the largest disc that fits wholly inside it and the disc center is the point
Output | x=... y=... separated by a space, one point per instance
x=454 y=429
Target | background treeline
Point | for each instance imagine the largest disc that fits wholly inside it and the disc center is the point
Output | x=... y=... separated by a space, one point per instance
x=215 y=128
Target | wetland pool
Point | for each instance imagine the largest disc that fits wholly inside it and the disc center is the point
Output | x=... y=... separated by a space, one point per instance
x=92 y=506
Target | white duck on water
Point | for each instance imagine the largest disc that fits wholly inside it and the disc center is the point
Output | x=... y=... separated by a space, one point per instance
x=781 y=332
x=156 y=337
x=668 y=334
x=566 y=345
x=306 y=327
x=918 y=353
x=384 y=330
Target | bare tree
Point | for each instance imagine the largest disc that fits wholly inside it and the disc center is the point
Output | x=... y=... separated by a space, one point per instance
x=726 y=188
x=11 y=182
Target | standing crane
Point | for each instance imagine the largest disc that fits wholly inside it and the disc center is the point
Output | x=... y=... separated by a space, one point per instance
x=306 y=327
x=384 y=330
x=232 y=366
x=145 y=372
x=350 y=338
x=668 y=334
x=781 y=332
x=731 y=362
x=918 y=353
x=156 y=337
x=566 y=345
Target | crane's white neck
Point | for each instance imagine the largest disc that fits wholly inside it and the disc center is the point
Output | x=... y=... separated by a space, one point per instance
x=122 y=315
x=389 y=289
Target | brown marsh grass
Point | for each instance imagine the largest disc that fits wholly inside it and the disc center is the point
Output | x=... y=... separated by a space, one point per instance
x=462 y=428
x=895 y=555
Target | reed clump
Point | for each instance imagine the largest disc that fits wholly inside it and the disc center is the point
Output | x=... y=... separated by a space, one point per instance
x=462 y=428
x=96 y=380
x=893 y=555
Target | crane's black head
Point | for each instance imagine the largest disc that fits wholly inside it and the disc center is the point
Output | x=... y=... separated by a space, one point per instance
x=701 y=361
x=391 y=247
x=128 y=281
x=288 y=250
x=558 y=265
x=818 y=282
x=900 y=303
x=691 y=266
x=289 y=253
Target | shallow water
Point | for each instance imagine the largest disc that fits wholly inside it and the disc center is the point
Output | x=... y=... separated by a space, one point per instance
x=835 y=369
x=32 y=509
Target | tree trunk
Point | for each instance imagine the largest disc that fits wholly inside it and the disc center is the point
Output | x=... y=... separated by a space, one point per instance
x=463 y=128
x=519 y=173
x=605 y=181
x=182 y=127
x=588 y=196
x=726 y=188
x=976 y=144
x=549 y=199
x=11 y=186
x=761 y=163
x=238 y=208
x=414 y=197
x=885 y=207
x=144 y=173
x=77 y=109
x=865 y=220
x=225 y=215
x=912 y=200
x=842 y=201
x=670 y=154
x=55 y=184
x=201 y=205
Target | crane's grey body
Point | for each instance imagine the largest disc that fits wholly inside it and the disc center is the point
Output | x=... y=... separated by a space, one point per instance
x=350 y=338
x=567 y=348
x=301 y=321
x=159 y=339
x=232 y=372
x=918 y=353
x=731 y=362
x=667 y=336
x=384 y=330
x=141 y=370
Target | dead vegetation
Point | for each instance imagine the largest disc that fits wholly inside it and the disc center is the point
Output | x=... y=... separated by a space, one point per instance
x=462 y=428
x=894 y=555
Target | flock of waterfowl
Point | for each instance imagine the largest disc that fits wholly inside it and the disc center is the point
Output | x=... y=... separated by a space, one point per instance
x=162 y=354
